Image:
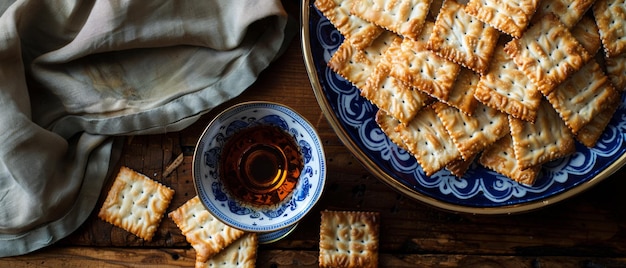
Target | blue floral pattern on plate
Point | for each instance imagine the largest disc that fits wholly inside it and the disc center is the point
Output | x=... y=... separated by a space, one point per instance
x=480 y=190
x=211 y=191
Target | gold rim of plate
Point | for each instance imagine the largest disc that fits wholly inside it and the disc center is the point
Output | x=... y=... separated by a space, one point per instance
x=394 y=183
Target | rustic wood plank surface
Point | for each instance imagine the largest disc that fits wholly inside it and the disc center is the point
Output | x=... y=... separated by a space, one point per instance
x=588 y=230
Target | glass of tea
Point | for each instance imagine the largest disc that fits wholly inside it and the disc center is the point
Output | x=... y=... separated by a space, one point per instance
x=259 y=167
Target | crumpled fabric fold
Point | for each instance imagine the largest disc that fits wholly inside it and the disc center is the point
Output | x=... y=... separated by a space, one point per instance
x=76 y=74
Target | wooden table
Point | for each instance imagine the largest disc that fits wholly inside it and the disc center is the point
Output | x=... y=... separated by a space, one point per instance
x=588 y=230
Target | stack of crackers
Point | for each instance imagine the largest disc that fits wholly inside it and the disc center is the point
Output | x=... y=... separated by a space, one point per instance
x=509 y=84
x=137 y=204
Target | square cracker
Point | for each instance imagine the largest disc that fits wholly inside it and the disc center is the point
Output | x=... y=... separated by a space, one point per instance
x=427 y=139
x=511 y=17
x=547 y=53
x=388 y=124
x=206 y=234
x=349 y=239
x=392 y=95
x=587 y=33
x=241 y=253
x=404 y=17
x=360 y=32
x=419 y=67
x=583 y=96
x=569 y=12
x=616 y=70
x=506 y=88
x=136 y=203
x=462 y=38
x=545 y=140
x=462 y=93
x=500 y=157
x=357 y=64
x=472 y=134
x=592 y=131
x=611 y=19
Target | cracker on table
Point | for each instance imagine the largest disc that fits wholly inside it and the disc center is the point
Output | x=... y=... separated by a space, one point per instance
x=616 y=70
x=388 y=125
x=404 y=17
x=392 y=95
x=462 y=38
x=583 y=96
x=611 y=19
x=349 y=239
x=592 y=131
x=427 y=139
x=500 y=157
x=547 y=53
x=569 y=12
x=472 y=134
x=206 y=234
x=547 y=139
x=462 y=93
x=506 y=88
x=360 y=32
x=357 y=64
x=587 y=33
x=241 y=253
x=511 y=17
x=136 y=203
x=421 y=68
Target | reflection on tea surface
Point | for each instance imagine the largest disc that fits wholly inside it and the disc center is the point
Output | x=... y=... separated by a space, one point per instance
x=260 y=165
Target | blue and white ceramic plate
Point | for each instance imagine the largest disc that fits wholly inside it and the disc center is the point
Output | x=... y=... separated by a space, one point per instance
x=211 y=191
x=480 y=191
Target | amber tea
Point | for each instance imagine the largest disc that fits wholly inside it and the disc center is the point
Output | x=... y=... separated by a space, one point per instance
x=260 y=165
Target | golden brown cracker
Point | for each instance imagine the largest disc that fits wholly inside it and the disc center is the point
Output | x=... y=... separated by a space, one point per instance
x=427 y=139
x=360 y=32
x=404 y=17
x=587 y=33
x=419 y=67
x=569 y=12
x=547 y=53
x=461 y=38
x=388 y=125
x=508 y=89
x=355 y=64
x=547 y=139
x=583 y=96
x=592 y=131
x=136 y=203
x=462 y=93
x=241 y=253
x=511 y=17
x=611 y=20
x=392 y=95
x=472 y=134
x=206 y=234
x=500 y=157
x=349 y=239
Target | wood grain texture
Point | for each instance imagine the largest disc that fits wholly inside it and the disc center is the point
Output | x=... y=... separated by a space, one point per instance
x=116 y=257
x=588 y=230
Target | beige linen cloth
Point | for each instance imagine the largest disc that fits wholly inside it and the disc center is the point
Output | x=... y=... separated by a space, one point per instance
x=74 y=74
